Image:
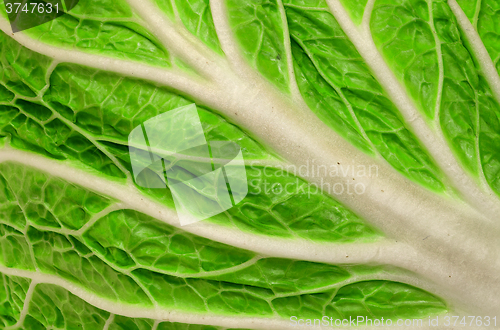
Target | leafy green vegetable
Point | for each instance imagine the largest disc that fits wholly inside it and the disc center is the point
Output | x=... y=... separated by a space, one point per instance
x=369 y=133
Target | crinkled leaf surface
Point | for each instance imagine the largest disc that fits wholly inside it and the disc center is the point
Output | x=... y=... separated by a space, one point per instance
x=370 y=132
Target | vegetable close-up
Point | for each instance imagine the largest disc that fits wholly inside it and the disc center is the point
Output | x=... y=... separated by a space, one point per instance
x=249 y=164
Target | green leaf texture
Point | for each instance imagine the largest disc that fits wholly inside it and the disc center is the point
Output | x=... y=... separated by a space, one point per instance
x=88 y=122
x=258 y=26
x=128 y=258
x=84 y=245
x=467 y=112
x=348 y=98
